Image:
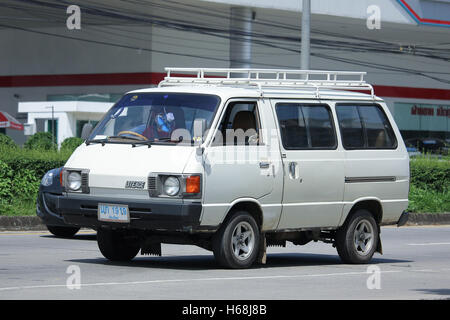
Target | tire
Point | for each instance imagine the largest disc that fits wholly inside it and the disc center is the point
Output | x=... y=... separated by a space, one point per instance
x=357 y=239
x=116 y=245
x=63 y=232
x=236 y=244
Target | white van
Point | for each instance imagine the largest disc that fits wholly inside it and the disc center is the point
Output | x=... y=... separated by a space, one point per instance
x=236 y=160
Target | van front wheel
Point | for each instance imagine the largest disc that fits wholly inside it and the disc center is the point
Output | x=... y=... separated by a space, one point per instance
x=63 y=232
x=236 y=244
x=357 y=239
x=116 y=245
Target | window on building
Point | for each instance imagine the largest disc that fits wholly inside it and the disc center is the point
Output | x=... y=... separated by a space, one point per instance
x=96 y=97
x=52 y=127
x=419 y=120
x=80 y=125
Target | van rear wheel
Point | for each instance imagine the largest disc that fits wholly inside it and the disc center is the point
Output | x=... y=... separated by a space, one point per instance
x=357 y=239
x=236 y=244
x=117 y=245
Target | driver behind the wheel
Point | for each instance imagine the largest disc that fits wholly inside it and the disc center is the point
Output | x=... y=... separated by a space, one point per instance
x=161 y=124
x=132 y=122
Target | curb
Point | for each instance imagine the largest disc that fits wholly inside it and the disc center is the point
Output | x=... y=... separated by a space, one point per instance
x=21 y=223
x=25 y=223
x=423 y=219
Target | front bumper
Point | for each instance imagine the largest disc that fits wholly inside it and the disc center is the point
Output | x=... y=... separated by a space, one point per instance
x=82 y=211
x=46 y=209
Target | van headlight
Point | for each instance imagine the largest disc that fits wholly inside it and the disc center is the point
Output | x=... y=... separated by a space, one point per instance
x=74 y=181
x=171 y=186
x=47 y=180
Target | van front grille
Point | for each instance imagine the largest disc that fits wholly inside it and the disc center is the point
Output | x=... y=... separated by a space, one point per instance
x=85 y=182
x=151 y=183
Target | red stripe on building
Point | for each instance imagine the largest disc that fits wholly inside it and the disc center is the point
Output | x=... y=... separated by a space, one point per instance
x=100 y=79
x=153 y=78
x=412 y=93
x=424 y=20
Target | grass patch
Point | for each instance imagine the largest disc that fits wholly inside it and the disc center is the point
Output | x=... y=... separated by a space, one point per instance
x=8 y=154
x=429 y=184
x=21 y=171
x=18 y=208
x=428 y=200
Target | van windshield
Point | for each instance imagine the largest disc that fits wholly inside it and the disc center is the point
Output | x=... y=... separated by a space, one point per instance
x=154 y=117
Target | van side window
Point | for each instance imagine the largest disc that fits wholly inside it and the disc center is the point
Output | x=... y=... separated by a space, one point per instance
x=378 y=130
x=351 y=127
x=365 y=127
x=306 y=126
x=240 y=125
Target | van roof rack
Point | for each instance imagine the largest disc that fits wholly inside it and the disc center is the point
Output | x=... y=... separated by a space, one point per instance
x=269 y=78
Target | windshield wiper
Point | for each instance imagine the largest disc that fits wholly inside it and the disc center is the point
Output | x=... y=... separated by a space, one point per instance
x=102 y=141
x=136 y=141
x=126 y=137
x=167 y=139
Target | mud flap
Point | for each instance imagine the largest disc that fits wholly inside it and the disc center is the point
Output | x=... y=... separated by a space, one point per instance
x=379 y=246
x=403 y=219
x=151 y=248
x=262 y=256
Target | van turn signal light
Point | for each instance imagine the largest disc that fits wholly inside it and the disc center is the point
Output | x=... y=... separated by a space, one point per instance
x=193 y=184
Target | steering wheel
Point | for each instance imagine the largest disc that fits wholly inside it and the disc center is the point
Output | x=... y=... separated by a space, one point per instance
x=132 y=133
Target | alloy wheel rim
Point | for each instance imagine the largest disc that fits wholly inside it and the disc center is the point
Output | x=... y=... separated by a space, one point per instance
x=242 y=240
x=363 y=237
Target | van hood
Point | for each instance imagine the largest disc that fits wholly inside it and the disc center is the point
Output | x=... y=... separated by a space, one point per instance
x=112 y=165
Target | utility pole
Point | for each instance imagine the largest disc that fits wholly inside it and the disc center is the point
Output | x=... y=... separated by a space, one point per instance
x=306 y=29
x=240 y=38
x=53 y=123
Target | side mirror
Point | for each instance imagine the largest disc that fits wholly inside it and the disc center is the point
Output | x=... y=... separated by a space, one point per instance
x=199 y=130
x=86 y=131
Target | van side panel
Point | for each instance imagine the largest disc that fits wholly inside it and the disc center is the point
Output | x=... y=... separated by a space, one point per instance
x=381 y=175
x=313 y=176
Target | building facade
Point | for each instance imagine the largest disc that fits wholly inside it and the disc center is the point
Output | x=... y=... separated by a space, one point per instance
x=53 y=53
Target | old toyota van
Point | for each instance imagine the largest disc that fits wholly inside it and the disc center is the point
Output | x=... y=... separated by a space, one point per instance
x=236 y=160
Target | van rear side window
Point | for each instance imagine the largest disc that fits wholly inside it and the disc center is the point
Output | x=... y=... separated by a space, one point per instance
x=365 y=127
x=306 y=126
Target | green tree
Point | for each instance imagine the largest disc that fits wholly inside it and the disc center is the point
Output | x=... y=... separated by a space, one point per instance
x=40 y=141
x=70 y=144
x=7 y=141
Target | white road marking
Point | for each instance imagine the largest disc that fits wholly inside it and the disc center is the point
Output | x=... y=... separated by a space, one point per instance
x=194 y=280
x=39 y=233
x=429 y=244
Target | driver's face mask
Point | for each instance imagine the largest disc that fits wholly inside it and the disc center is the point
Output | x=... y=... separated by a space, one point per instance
x=165 y=122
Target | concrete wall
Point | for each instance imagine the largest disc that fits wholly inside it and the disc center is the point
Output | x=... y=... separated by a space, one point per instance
x=391 y=10
x=151 y=48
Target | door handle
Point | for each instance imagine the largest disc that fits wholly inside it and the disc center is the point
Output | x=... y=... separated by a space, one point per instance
x=264 y=165
x=292 y=170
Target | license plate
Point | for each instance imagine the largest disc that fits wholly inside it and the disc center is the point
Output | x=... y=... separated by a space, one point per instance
x=113 y=212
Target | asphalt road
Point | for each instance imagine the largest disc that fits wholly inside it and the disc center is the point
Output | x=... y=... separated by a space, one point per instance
x=36 y=265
